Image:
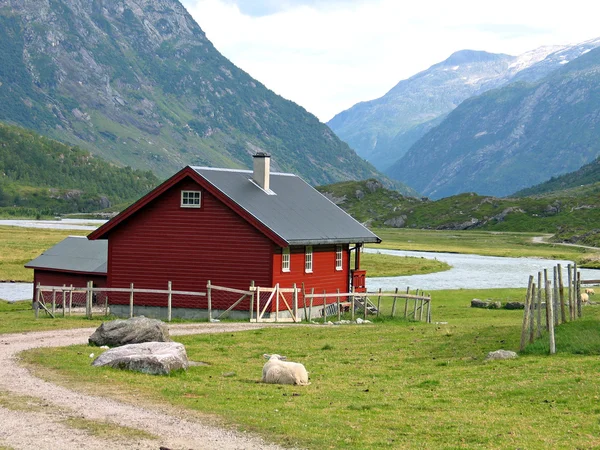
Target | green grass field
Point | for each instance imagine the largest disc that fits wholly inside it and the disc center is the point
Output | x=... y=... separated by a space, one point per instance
x=392 y=384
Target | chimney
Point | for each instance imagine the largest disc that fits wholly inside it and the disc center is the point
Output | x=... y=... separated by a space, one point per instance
x=262 y=170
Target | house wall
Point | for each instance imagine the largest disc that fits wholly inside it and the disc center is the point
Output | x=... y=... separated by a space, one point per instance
x=187 y=246
x=323 y=277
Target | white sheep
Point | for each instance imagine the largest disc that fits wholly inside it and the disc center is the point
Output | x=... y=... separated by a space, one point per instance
x=279 y=371
x=589 y=291
x=584 y=297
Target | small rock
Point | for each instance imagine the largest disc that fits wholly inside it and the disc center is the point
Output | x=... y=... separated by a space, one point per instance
x=514 y=305
x=154 y=358
x=501 y=354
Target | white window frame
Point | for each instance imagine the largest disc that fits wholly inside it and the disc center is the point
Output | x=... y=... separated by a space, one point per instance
x=339 y=257
x=285 y=260
x=191 y=199
x=308 y=259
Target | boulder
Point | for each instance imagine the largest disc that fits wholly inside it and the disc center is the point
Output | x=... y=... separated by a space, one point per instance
x=477 y=303
x=514 y=305
x=154 y=358
x=131 y=331
x=501 y=354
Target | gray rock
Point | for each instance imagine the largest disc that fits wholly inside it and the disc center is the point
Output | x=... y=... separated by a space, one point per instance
x=501 y=354
x=514 y=305
x=477 y=303
x=131 y=331
x=396 y=222
x=154 y=358
x=494 y=305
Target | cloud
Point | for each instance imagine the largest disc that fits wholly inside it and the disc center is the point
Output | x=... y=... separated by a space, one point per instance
x=330 y=54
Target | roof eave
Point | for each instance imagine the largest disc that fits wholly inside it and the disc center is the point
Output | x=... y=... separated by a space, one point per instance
x=361 y=240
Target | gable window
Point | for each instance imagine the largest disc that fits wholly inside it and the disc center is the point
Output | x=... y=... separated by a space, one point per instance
x=285 y=260
x=190 y=199
x=338 y=258
x=308 y=259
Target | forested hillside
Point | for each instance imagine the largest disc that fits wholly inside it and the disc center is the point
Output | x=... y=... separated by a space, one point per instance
x=45 y=175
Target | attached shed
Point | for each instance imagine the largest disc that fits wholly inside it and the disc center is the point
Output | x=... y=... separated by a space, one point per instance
x=73 y=261
x=231 y=227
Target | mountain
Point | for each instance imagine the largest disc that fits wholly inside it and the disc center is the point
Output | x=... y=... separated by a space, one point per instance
x=589 y=174
x=138 y=82
x=383 y=130
x=51 y=178
x=512 y=137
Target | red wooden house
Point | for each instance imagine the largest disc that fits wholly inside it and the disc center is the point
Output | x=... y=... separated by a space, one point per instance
x=231 y=227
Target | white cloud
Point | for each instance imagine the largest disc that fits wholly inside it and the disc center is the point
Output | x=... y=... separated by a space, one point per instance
x=329 y=55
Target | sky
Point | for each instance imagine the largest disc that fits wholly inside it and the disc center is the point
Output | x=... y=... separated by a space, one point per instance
x=327 y=55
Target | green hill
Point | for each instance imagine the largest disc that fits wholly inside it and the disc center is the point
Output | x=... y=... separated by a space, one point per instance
x=42 y=176
x=572 y=215
x=588 y=174
x=138 y=83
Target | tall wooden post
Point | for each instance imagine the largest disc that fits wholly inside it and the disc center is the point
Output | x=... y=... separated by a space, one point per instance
x=578 y=291
x=295 y=303
x=53 y=301
x=352 y=305
x=312 y=297
x=36 y=304
x=561 y=294
x=379 y=302
x=324 y=307
x=539 y=305
x=70 y=300
x=555 y=299
x=547 y=296
x=570 y=283
x=339 y=307
x=63 y=300
x=532 y=312
x=549 y=306
x=525 y=326
x=406 y=303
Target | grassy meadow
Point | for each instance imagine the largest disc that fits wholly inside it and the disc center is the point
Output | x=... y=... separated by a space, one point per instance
x=391 y=384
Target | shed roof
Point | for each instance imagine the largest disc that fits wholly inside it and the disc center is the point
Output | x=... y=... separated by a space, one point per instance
x=292 y=208
x=74 y=254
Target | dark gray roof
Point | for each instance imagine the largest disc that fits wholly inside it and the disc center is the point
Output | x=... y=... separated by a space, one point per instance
x=292 y=209
x=74 y=254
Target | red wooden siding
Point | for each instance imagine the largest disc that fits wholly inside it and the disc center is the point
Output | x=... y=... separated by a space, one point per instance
x=323 y=277
x=188 y=246
x=52 y=278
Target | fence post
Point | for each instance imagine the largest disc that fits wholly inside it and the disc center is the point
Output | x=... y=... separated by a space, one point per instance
x=555 y=304
x=379 y=302
x=88 y=308
x=339 y=306
x=394 y=303
x=251 y=299
x=578 y=291
x=352 y=305
x=525 y=327
x=209 y=296
x=406 y=303
x=532 y=312
x=570 y=291
x=312 y=293
x=276 y=292
x=295 y=303
x=131 y=300
x=53 y=301
x=106 y=305
x=63 y=299
x=304 y=301
x=539 y=305
x=561 y=294
x=169 y=301
x=36 y=304
x=257 y=303
x=429 y=309
x=365 y=298
x=324 y=307
x=70 y=300
x=547 y=296
x=549 y=306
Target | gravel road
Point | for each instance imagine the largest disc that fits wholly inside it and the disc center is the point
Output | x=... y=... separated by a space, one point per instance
x=39 y=420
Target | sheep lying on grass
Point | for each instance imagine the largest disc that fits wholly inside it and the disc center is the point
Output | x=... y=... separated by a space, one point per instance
x=278 y=371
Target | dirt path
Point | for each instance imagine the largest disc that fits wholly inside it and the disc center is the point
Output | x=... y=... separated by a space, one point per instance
x=35 y=413
x=542 y=240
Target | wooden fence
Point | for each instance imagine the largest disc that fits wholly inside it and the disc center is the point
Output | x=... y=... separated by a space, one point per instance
x=562 y=303
x=416 y=306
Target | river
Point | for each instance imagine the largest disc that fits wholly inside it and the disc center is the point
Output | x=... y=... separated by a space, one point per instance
x=467 y=272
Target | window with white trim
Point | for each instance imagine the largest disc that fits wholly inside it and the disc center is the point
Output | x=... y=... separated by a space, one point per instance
x=339 y=265
x=308 y=259
x=285 y=260
x=190 y=199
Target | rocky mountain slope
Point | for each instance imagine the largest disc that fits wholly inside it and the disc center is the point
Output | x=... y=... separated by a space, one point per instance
x=382 y=130
x=512 y=137
x=138 y=82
